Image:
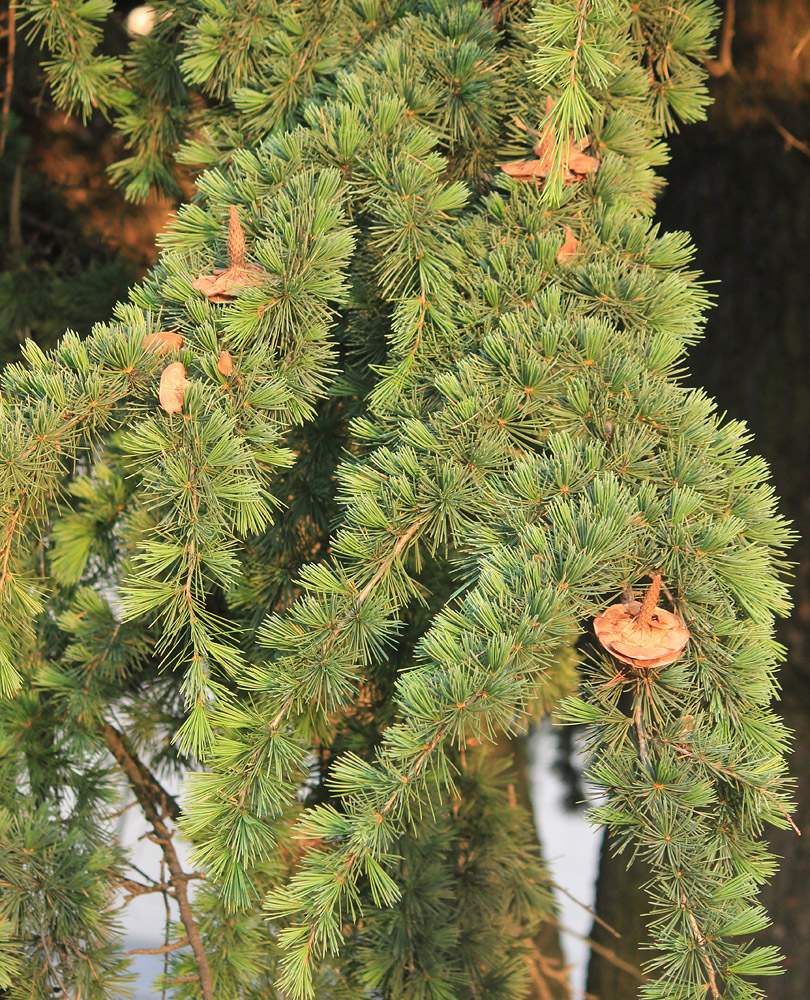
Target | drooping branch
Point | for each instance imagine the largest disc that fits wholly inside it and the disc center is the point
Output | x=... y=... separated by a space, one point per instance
x=140 y=778
x=642 y=740
x=401 y=544
x=701 y=943
x=582 y=17
x=157 y=805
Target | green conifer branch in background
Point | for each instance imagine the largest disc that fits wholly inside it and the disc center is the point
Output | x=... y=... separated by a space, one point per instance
x=78 y=74
x=322 y=588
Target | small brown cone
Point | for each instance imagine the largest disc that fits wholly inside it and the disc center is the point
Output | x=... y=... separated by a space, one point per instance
x=574 y=162
x=173 y=384
x=164 y=341
x=569 y=248
x=641 y=634
x=225 y=363
x=580 y=163
x=225 y=285
x=236 y=239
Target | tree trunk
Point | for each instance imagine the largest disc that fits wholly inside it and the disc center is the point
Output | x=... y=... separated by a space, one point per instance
x=621 y=903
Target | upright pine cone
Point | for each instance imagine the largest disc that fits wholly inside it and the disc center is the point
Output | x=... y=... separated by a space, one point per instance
x=642 y=634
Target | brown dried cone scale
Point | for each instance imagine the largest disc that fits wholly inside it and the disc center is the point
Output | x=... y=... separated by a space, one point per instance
x=173 y=383
x=640 y=633
x=575 y=163
x=164 y=341
x=569 y=248
x=224 y=286
x=225 y=363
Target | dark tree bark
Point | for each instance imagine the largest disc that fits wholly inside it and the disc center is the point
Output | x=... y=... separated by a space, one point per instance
x=622 y=903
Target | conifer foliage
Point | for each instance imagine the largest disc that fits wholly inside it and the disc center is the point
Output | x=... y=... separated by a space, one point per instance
x=330 y=504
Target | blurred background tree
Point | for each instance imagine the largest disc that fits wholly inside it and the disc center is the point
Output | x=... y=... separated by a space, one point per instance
x=71 y=243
